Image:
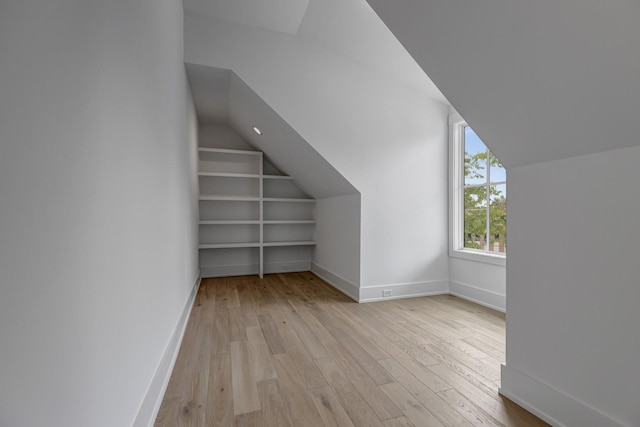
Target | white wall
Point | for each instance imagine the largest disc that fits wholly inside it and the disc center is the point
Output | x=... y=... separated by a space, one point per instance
x=221 y=136
x=97 y=220
x=338 y=242
x=387 y=140
x=479 y=282
x=572 y=270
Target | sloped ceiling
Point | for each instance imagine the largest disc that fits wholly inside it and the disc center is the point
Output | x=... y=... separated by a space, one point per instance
x=538 y=80
x=210 y=91
x=222 y=97
x=352 y=29
x=276 y=15
x=346 y=27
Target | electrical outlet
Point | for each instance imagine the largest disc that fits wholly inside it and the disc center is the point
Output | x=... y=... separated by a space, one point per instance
x=386 y=292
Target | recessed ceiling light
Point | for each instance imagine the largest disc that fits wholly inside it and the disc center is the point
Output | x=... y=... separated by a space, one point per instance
x=256 y=130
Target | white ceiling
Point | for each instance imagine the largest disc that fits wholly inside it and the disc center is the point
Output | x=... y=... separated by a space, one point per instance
x=222 y=97
x=210 y=91
x=538 y=80
x=349 y=28
x=276 y=15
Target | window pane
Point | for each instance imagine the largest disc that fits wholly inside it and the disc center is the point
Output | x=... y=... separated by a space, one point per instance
x=475 y=158
x=498 y=218
x=497 y=171
x=475 y=217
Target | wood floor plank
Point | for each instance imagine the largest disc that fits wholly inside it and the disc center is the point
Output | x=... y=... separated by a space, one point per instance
x=301 y=407
x=331 y=410
x=309 y=372
x=274 y=407
x=219 y=284
x=236 y=325
x=251 y=419
x=192 y=404
x=368 y=363
x=361 y=335
x=486 y=402
x=486 y=348
x=245 y=390
x=291 y=350
x=221 y=332
x=412 y=409
x=398 y=422
x=168 y=413
x=305 y=334
x=219 y=411
x=383 y=407
x=356 y=407
x=467 y=409
x=247 y=306
x=260 y=354
x=271 y=334
x=423 y=394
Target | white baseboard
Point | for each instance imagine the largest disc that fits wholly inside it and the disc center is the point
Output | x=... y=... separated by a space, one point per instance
x=229 y=270
x=153 y=399
x=550 y=404
x=404 y=290
x=489 y=299
x=250 y=269
x=287 y=267
x=343 y=285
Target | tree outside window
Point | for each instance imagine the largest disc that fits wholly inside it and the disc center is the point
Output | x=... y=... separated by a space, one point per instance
x=485 y=197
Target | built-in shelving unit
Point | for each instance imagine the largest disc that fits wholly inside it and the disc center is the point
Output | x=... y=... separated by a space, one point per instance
x=247 y=216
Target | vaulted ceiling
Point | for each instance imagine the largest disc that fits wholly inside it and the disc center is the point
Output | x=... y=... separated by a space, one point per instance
x=349 y=28
x=538 y=80
x=221 y=97
x=276 y=15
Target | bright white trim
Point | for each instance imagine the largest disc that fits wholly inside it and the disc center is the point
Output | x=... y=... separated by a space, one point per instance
x=250 y=269
x=229 y=175
x=227 y=151
x=340 y=283
x=478 y=256
x=155 y=393
x=456 y=199
x=404 y=290
x=552 y=405
x=230 y=270
x=477 y=295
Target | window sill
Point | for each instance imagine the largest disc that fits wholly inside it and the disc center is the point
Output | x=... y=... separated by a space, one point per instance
x=477 y=256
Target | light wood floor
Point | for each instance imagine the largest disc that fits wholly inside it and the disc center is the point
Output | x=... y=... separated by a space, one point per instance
x=289 y=350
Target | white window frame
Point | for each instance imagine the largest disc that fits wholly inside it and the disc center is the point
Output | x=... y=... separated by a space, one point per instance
x=456 y=199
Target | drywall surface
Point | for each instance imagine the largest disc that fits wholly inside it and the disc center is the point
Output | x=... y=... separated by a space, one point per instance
x=221 y=136
x=98 y=232
x=352 y=29
x=284 y=147
x=480 y=282
x=525 y=74
x=387 y=140
x=338 y=238
x=572 y=273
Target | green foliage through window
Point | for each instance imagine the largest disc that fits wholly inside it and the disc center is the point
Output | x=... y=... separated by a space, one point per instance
x=485 y=197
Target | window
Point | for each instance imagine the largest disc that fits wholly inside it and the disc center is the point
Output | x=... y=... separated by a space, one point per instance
x=478 y=197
